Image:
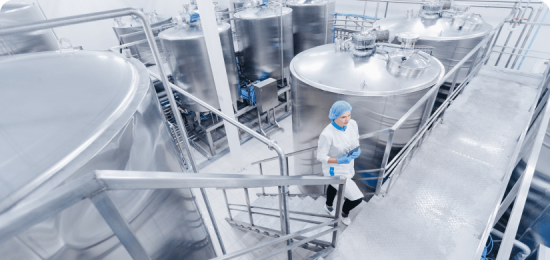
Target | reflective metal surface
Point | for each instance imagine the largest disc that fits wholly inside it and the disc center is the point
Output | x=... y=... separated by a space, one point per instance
x=259 y=34
x=312 y=23
x=533 y=228
x=320 y=76
x=98 y=110
x=451 y=45
x=17 y=13
x=130 y=24
x=186 y=54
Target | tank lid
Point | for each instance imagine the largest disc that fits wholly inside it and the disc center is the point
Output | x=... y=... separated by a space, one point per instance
x=261 y=12
x=186 y=31
x=343 y=73
x=432 y=29
x=468 y=22
x=72 y=106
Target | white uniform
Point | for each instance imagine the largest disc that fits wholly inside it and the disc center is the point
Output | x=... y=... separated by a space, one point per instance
x=336 y=144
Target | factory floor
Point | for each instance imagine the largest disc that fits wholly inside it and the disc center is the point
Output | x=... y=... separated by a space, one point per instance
x=253 y=150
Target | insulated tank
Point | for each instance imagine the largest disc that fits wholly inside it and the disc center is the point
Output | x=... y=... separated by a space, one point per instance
x=379 y=87
x=258 y=29
x=312 y=23
x=83 y=111
x=17 y=14
x=127 y=25
x=187 y=57
x=453 y=37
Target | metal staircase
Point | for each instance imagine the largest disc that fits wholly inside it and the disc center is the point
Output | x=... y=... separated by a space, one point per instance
x=305 y=211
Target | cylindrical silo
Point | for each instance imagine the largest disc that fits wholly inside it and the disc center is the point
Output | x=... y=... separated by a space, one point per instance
x=312 y=23
x=453 y=37
x=17 y=14
x=380 y=87
x=187 y=56
x=259 y=32
x=129 y=29
x=83 y=111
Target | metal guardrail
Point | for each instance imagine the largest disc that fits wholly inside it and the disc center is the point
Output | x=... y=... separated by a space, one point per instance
x=70 y=20
x=94 y=185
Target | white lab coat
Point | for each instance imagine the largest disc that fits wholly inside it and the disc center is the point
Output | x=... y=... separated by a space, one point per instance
x=336 y=144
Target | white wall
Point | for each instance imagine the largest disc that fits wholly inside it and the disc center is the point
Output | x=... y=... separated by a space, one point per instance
x=100 y=36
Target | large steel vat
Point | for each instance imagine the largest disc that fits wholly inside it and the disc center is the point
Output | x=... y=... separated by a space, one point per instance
x=83 y=111
x=187 y=56
x=129 y=29
x=312 y=23
x=452 y=38
x=16 y=14
x=259 y=32
x=321 y=76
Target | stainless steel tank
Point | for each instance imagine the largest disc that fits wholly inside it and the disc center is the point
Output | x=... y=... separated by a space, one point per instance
x=129 y=29
x=17 y=14
x=379 y=90
x=83 y=111
x=187 y=56
x=312 y=23
x=238 y=4
x=452 y=37
x=259 y=32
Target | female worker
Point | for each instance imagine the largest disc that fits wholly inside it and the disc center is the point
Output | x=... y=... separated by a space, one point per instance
x=337 y=151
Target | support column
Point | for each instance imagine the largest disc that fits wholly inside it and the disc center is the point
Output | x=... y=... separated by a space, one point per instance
x=215 y=55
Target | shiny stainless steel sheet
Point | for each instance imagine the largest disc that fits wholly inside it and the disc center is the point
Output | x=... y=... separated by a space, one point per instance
x=440 y=205
x=259 y=35
x=36 y=41
x=132 y=24
x=533 y=227
x=451 y=45
x=312 y=23
x=97 y=110
x=187 y=56
x=320 y=76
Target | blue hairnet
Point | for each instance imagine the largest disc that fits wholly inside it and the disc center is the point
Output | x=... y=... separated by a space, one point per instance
x=338 y=108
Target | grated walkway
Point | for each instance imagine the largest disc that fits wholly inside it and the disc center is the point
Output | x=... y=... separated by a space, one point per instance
x=441 y=203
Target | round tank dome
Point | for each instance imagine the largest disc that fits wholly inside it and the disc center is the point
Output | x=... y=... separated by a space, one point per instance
x=379 y=91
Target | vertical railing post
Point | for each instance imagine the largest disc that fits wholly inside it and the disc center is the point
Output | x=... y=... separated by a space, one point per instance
x=385 y=159
x=262 y=173
x=283 y=203
x=338 y=213
x=119 y=225
x=227 y=204
x=452 y=87
x=248 y=206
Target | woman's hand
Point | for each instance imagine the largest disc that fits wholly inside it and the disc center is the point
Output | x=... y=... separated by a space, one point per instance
x=344 y=160
x=355 y=154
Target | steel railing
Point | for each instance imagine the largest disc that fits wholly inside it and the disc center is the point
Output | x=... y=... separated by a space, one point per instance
x=70 y=20
x=94 y=186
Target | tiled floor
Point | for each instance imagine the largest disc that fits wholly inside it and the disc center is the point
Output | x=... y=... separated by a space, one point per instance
x=253 y=150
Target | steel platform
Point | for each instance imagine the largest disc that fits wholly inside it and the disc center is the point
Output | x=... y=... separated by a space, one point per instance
x=440 y=205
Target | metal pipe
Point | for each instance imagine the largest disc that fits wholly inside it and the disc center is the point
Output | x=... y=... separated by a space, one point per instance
x=513 y=221
x=512 y=31
x=247 y=197
x=282 y=59
x=338 y=213
x=520 y=36
x=212 y=219
x=527 y=36
x=376 y=13
x=262 y=173
x=526 y=251
x=384 y=163
x=227 y=204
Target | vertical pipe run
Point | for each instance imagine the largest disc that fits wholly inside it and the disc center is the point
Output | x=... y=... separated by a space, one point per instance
x=519 y=38
x=248 y=206
x=385 y=162
x=338 y=213
x=281 y=47
x=376 y=14
x=227 y=204
x=527 y=37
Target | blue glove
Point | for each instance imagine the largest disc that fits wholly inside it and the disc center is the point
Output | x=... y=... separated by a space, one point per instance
x=355 y=154
x=344 y=160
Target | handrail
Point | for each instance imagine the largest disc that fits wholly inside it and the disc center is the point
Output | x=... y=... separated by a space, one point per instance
x=94 y=185
x=287 y=155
